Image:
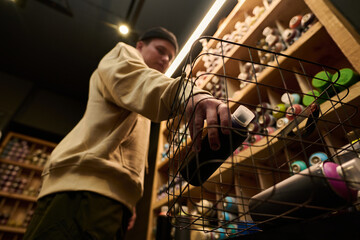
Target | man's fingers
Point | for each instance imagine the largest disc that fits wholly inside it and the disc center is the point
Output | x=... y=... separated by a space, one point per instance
x=198 y=127
x=225 y=118
x=212 y=126
x=132 y=220
x=191 y=128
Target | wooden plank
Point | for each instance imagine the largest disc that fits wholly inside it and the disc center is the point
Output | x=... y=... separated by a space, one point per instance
x=345 y=100
x=153 y=195
x=339 y=28
x=12 y=229
x=32 y=139
x=18 y=196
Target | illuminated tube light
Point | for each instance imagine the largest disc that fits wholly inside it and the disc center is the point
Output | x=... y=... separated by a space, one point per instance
x=196 y=34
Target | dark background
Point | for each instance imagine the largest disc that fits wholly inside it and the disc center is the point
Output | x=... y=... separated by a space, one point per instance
x=57 y=44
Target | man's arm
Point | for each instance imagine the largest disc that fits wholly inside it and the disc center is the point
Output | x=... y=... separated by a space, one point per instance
x=130 y=84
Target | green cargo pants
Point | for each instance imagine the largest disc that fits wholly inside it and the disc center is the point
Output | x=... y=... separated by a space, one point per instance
x=78 y=215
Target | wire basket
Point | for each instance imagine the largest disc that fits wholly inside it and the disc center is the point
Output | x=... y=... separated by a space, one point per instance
x=293 y=165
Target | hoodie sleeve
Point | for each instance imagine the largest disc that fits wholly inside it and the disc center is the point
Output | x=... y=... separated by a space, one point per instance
x=129 y=83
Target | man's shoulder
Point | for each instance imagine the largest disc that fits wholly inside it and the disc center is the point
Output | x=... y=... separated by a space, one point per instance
x=121 y=46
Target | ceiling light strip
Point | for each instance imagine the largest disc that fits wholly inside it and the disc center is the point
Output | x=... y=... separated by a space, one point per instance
x=196 y=34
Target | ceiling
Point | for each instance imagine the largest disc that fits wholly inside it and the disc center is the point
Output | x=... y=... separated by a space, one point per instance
x=57 y=44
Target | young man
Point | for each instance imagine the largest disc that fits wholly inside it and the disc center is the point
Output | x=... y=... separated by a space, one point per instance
x=95 y=175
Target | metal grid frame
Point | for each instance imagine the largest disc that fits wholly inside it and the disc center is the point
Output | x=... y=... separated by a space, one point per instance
x=220 y=206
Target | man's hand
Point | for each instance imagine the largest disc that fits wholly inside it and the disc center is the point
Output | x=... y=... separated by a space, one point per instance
x=132 y=220
x=205 y=107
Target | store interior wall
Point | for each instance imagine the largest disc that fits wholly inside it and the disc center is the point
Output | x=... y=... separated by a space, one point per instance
x=50 y=112
x=29 y=109
x=13 y=92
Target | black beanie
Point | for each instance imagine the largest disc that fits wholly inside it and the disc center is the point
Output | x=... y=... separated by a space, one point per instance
x=160 y=32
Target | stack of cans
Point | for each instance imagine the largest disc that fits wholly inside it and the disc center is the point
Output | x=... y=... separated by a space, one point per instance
x=11 y=181
x=16 y=150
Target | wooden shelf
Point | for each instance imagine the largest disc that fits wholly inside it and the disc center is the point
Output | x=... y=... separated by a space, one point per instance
x=23 y=165
x=20 y=206
x=331 y=41
x=170 y=198
x=164 y=201
x=18 y=196
x=249 y=94
x=258 y=150
x=278 y=11
x=30 y=139
x=237 y=14
x=162 y=165
x=160 y=203
x=348 y=101
x=351 y=99
x=12 y=229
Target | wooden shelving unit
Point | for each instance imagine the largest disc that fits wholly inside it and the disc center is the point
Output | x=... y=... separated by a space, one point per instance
x=22 y=159
x=330 y=41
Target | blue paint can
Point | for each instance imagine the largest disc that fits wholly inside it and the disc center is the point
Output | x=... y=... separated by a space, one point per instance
x=317 y=157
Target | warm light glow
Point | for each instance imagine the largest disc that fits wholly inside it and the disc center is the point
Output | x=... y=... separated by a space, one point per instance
x=196 y=34
x=123 y=29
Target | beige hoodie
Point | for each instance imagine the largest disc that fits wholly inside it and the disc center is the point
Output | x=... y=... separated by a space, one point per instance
x=107 y=150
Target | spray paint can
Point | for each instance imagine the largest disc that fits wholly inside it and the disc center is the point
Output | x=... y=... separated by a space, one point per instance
x=245 y=227
x=230 y=204
x=279 y=110
x=317 y=157
x=281 y=122
x=294 y=111
x=267 y=120
x=253 y=127
x=315 y=191
x=163 y=225
x=298 y=166
x=182 y=222
x=198 y=167
x=227 y=217
x=264 y=108
x=205 y=208
x=307 y=21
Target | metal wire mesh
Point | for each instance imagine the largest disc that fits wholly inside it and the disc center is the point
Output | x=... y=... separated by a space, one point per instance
x=278 y=174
